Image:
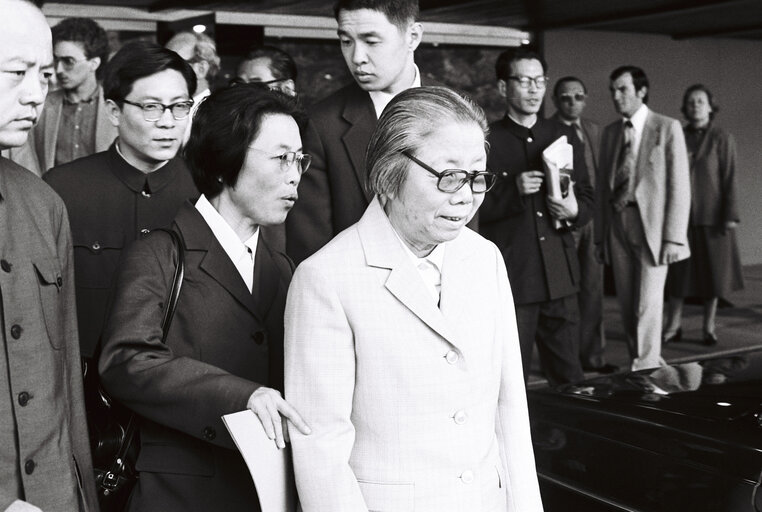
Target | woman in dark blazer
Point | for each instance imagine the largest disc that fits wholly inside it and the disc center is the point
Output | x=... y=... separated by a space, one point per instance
x=714 y=268
x=224 y=352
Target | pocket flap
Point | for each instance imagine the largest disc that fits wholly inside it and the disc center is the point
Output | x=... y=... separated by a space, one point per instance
x=383 y=497
x=96 y=242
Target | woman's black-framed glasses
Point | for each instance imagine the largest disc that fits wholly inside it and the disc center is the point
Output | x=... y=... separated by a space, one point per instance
x=289 y=158
x=452 y=180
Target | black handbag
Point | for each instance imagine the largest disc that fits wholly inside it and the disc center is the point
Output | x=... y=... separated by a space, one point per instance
x=115 y=447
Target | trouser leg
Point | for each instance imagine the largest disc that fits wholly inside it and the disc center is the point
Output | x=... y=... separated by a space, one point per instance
x=557 y=340
x=592 y=339
x=526 y=321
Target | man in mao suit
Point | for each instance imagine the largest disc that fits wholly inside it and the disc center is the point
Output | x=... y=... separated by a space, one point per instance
x=519 y=217
x=643 y=205
x=569 y=97
x=44 y=451
x=428 y=415
x=74 y=122
x=333 y=194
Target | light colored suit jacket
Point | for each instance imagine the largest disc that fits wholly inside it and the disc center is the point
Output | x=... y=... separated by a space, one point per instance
x=39 y=153
x=412 y=407
x=662 y=187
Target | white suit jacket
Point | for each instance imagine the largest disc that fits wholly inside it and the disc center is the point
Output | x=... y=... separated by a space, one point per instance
x=662 y=188
x=412 y=407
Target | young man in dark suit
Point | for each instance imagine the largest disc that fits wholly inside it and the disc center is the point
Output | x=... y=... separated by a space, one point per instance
x=519 y=217
x=378 y=39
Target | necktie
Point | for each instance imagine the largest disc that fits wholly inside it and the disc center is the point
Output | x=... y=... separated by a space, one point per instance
x=625 y=171
x=588 y=152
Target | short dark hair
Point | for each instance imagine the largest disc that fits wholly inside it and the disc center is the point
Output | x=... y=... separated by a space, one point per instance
x=566 y=80
x=639 y=78
x=282 y=66
x=511 y=55
x=699 y=87
x=398 y=12
x=88 y=33
x=139 y=59
x=224 y=126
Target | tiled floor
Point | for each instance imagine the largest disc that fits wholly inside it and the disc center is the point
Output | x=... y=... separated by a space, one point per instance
x=738 y=326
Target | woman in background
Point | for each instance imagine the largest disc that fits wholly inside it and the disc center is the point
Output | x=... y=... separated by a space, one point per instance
x=714 y=268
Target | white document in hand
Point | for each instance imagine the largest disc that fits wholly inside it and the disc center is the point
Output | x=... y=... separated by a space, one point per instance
x=270 y=468
x=558 y=160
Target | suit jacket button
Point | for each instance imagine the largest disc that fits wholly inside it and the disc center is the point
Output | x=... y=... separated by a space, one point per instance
x=16 y=331
x=460 y=417
x=452 y=357
x=467 y=476
x=29 y=466
x=5 y=265
x=259 y=337
x=96 y=246
x=539 y=214
x=209 y=433
x=23 y=398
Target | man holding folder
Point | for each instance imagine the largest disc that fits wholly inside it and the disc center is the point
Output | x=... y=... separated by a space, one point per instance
x=518 y=216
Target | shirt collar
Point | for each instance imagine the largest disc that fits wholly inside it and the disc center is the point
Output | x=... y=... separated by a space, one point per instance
x=89 y=99
x=381 y=99
x=228 y=239
x=139 y=181
x=638 y=119
x=435 y=257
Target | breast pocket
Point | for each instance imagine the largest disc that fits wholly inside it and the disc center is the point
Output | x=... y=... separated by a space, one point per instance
x=50 y=282
x=96 y=257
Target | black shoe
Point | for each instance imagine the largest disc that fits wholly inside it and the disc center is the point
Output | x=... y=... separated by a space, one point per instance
x=710 y=340
x=675 y=337
x=605 y=369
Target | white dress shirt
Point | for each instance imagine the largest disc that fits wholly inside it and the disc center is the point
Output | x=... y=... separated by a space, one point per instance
x=381 y=99
x=240 y=253
x=638 y=121
x=429 y=267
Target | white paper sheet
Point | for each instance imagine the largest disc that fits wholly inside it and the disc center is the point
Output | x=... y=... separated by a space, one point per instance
x=270 y=467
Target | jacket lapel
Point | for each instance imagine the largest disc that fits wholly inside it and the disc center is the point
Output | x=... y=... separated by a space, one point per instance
x=105 y=132
x=265 y=280
x=215 y=262
x=383 y=250
x=619 y=138
x=361 y=116
x=648 y=140
x=52 y=114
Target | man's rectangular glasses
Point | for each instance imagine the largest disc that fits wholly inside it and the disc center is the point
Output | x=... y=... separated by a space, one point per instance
x=153 y=111
x=541 y=82
x=452 y=180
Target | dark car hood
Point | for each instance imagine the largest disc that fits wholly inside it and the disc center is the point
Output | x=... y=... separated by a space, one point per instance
x=721 y=388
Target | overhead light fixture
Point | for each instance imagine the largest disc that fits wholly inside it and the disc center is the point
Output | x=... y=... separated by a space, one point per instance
x=199 y=29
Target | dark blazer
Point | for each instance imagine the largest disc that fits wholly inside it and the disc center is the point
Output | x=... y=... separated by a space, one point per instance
x=110 y=204
x=592 y=132
x=333 y=193
x=713 y=179
x=541 y=260
x=223 y=344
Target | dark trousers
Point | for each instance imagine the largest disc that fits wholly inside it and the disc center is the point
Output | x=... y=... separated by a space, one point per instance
x=554 y=326
x=592 y=339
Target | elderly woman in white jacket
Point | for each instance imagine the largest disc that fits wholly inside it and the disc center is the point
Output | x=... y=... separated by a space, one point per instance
x=401 y=346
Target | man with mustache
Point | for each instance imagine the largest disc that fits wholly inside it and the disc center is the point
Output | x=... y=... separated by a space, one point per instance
x=519 y=217
x=138 y=184
x=44 y=454
x=378 y=39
